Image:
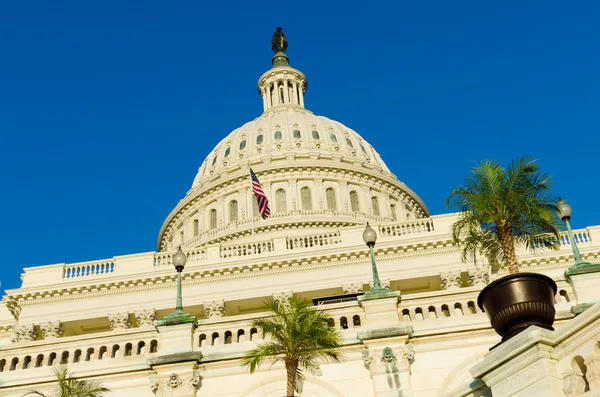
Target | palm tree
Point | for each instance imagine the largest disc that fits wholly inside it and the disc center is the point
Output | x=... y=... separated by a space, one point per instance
x=68 y=386
x=501 y=208
x=298 y=335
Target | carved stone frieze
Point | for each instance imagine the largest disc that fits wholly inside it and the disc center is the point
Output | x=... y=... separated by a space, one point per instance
x=175 y=385
x=23 y=333
x=479 y=276
x=119 y=321
x=353 y=288
x=214 y=309
x=451 y=280
x=51 y=330
x=145 y=318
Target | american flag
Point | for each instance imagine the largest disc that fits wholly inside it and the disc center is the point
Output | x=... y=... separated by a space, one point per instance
x=261 y=198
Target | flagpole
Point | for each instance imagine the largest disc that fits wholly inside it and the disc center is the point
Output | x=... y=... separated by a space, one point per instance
x=251 y=199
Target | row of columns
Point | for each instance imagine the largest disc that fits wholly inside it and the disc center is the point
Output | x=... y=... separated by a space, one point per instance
x=293 y=94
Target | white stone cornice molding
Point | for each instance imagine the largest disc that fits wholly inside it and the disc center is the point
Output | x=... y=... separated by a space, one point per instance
x=479 y=276
x=353 y=288
x=51 y=330
x=451 y=280
x=283 y=297
x=573 y=383
x=23 y=333
x=119 y=321
x=214 y=309
x=145 y=318
x=175 y=385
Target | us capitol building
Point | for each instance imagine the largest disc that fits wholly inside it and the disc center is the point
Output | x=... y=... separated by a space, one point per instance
x=324 y=182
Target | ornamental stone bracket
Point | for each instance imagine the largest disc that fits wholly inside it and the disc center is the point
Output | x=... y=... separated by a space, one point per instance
x=389 y=368
x=51 y=330
x=479 y=276
x=353 y=288
x=119 y=321
x=451 y=280
x=145 y=318
x=283 y=298
x=184 y=384
x=23 y=333
x=214 y=309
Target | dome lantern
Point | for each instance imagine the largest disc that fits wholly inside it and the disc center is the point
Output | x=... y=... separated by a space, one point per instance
x=281 y=87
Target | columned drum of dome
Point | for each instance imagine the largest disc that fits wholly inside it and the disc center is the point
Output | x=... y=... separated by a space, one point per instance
x=317 y=172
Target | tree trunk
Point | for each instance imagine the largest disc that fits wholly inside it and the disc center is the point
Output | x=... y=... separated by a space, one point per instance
x=291 y=366
x=507 y=241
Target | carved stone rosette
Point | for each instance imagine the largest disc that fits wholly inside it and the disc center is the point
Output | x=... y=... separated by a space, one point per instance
x=214 y=309
x=119 y=321
x=175 y=385
x=283 y=298
x=51 y=330
x=23 y=333
x=479 y=277
x=451 y=280
x=353 y=288
x=145 y=318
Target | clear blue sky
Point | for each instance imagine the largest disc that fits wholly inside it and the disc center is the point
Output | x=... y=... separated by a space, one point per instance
x=107 y=109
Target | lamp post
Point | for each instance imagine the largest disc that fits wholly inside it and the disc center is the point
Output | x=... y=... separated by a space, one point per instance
x=178 y=316
x=370 y=237
x=564 y=212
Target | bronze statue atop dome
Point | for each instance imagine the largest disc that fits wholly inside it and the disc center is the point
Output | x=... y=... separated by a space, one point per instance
x=279 y=41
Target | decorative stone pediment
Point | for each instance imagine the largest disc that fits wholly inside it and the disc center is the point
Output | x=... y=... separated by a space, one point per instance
x=51 y=330
x=145 y=318
x=214 y=309
x=119 y=321
x=175 y=385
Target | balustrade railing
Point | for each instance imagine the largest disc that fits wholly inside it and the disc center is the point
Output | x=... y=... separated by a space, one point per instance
x=317 y=240
x=417 y=226
x=85 y=269
x=248 y=249
x=166 y=258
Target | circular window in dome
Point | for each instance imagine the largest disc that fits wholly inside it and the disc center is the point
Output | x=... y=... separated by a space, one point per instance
x=315 y=135
x=349 y=142
x=227 y=151
x=333 y=137
x=277 y=135
x=297 y=134
x=214 y=161
x=363 y=149
x=259 y=139
x=243 y=145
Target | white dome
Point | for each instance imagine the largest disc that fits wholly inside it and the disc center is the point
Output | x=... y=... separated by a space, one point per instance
x=288 y=135
x=316 y=173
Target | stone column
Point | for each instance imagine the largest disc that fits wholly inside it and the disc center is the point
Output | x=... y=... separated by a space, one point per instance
x=269 y=96
x=294 y=92
x=263 y=93
x=276 y=93
x=286 y=92
x=301 y=93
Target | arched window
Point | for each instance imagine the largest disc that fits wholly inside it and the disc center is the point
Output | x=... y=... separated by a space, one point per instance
x=101 y=353
x=233 y=211
x=26 y=362
x=280 y=201
x=213 y=218
x=141 y=347
x=77 y=356
x=241 y=335
x=356 y=320
x=243 y=145
x=281 y=97
x=153 y=346
x=349 y=142
x=128 y=350
x=13 y=364
x=354 y=201
x=64 y=358
x=315 y=135
x=375 y=205
x=277 y=135
x=259 y=139
x=363 y=149
x=202 y=340
x=343 y=322
x=306 y=198
x=39 y=361
x=196 y=228
x=227 y=151
x=115 y=351
x=330 y=196
x=297 y=134
x=393 y=212
x=228 y=337
x=3 y=364
x=89 y=354
x=214 y=161
x=332 y=137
